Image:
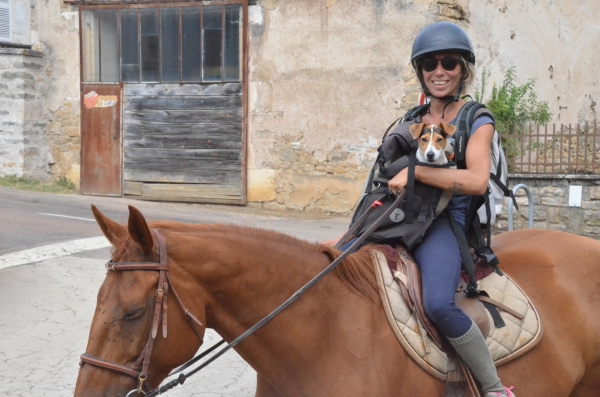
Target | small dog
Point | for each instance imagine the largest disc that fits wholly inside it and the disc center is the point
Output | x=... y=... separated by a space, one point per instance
x=433 y=142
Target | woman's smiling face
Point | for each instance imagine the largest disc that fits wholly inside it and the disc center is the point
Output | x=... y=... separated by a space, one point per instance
x=441 y=82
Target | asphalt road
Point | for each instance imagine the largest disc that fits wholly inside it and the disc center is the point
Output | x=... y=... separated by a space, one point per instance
x=47 y=302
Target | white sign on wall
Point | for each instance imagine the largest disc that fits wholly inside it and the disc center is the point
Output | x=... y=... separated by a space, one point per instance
x=575 y=194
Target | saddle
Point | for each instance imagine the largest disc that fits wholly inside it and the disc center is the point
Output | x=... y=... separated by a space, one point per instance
x=401 y=293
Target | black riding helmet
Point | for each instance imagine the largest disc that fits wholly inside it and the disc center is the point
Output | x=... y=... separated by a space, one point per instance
x=442 y=36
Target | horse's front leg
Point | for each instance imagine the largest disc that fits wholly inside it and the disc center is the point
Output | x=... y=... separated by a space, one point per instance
x=263 y=389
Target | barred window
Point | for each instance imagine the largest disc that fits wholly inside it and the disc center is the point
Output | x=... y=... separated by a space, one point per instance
x=185 y=44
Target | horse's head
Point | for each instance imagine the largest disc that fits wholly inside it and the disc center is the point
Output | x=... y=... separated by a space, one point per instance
x=126 y=342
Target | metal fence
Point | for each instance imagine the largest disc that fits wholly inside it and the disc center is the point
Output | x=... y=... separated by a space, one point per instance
x=553 y=149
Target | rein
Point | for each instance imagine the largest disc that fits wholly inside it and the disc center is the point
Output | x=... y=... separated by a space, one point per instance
x=161 y=304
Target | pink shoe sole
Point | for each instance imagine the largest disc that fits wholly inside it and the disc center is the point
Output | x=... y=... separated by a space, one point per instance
x=508 y=390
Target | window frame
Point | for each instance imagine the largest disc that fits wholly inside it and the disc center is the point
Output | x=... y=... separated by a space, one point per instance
x=159 y=6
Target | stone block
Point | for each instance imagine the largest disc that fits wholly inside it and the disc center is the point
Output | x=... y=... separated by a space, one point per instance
x=573 y=218
x=592 y=218
x=17 y=75
x=560 y=228
x=553 y=214
x=594 y=192
x=74 y=175
x=338 y=195
x=552 y=191
x=591 y=231
x=261 y=185
x=591 y=205
x=554 y=201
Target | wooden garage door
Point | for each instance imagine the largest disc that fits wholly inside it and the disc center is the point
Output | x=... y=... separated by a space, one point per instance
x=183 y=143
x=182 y=66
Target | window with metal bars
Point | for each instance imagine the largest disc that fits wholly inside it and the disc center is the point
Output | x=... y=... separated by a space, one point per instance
x=185 y=44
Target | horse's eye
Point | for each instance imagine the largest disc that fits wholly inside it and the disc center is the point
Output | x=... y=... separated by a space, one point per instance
x=134 y=314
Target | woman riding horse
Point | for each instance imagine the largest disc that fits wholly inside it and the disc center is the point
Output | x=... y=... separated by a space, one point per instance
x=443 y=58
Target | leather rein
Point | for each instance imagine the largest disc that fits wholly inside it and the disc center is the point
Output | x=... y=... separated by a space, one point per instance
x=139 y=369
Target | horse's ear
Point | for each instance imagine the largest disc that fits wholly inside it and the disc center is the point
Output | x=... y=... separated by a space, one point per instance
x=139 y=230
x=111 y=229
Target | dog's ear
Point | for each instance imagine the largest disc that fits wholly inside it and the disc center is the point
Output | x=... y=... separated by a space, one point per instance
x=415 y=130
x=449 y=129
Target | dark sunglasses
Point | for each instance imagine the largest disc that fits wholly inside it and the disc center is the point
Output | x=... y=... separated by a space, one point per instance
x=448 y=63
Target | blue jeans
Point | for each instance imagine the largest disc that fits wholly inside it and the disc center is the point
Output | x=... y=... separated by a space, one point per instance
x=438 y=256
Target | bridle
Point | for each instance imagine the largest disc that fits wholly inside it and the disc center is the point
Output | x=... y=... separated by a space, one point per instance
x=139 y=369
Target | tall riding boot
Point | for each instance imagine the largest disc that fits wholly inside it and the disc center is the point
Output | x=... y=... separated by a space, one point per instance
x=471 y=347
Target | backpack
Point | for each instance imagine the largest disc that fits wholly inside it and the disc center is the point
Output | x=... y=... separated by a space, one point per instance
x=407 y=223
x=493 y=200
x=396 y=152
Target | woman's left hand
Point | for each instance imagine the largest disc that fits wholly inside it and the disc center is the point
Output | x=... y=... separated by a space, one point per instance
x=399 y=182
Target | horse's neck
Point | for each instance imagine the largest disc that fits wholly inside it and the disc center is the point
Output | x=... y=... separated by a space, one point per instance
x=330 y=326
x=247 y=277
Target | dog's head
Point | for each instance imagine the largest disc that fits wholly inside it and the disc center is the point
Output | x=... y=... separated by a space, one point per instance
x=432 y=140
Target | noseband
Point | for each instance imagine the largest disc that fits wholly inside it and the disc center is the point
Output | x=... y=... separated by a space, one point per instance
x=139 y=370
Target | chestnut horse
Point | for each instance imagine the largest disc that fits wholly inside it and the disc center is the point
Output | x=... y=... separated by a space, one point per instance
x=335 y=340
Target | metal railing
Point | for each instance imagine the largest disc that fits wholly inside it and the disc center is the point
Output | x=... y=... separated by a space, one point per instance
x=553 y=149
x=529 y=204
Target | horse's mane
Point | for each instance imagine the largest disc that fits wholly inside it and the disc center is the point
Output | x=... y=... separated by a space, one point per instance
x=356 y=271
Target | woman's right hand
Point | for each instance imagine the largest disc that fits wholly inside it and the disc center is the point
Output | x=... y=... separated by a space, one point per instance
x=399 y=182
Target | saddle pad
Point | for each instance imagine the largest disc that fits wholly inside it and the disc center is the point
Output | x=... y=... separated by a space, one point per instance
x=505 y=344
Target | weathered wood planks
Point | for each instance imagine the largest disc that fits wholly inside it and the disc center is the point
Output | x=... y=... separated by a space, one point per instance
x=185 y=176
x=183 y=102
x=195 y=116
x=183 y=143
x=185 y=89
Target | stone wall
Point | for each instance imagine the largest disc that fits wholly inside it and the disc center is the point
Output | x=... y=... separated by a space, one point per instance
x=551 y=208
x=24 y=149
x=55 y=33
x=39 y=93
x=327 y=77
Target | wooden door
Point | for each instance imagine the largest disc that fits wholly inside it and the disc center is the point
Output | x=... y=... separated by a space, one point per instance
x=101 y=139
x=184 y=142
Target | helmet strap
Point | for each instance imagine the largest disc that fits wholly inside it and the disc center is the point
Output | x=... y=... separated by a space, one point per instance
x=448 y=98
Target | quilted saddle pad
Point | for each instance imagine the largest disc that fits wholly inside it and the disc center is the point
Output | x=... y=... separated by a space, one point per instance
x=505 y=344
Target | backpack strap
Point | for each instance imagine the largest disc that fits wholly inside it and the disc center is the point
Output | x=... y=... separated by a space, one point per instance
x=410 y=188
x=412 y=114
x=464 y=120
x=507 y=192
x=466 y=258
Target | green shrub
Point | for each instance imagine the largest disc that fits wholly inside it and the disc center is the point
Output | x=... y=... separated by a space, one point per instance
x=513 y=106
x=64 y=182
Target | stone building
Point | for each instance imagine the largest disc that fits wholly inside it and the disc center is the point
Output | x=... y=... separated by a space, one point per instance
x=317 y=82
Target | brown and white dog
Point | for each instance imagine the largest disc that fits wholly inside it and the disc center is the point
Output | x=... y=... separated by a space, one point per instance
x=433 y=142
